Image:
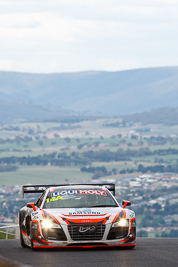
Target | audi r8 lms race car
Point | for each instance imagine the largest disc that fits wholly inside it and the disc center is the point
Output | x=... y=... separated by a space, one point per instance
x=76 y=216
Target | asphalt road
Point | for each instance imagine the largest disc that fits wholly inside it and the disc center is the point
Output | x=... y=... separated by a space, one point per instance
x=149 y=252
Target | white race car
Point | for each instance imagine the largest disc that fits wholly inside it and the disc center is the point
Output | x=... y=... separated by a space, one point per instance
x=76 y=216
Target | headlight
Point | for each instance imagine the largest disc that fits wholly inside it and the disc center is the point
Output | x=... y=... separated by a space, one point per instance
x=48 y=224
x=121 y=223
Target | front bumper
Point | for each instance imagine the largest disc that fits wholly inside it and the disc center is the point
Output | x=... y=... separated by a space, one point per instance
x=67 y=237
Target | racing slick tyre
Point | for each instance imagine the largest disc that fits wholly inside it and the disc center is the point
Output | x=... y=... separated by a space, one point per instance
x=22 y=241
x=21 y=237
x=31 y=237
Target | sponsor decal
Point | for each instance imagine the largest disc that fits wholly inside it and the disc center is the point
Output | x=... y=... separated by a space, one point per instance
x=93 y=192
x=64 y=193
x=85 y=213
x=131 y=215
x=82 y=209
x=35 y=215
x=81 y=192
x=90 y=228
x=131 y=211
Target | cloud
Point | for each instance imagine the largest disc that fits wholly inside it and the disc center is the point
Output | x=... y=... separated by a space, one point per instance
x=67 y=35
x=37 y=27
x=18 y=20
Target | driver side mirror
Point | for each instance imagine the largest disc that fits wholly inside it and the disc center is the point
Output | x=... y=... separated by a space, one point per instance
x=125 y=203
x=31 y=206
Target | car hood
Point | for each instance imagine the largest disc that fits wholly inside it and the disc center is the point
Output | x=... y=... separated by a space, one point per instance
x=85 y=215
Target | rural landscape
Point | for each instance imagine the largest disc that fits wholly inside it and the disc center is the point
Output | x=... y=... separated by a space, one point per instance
x=135 y=152
x=89 y=108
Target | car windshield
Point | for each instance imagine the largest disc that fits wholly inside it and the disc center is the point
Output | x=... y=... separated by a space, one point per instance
x=79 y=198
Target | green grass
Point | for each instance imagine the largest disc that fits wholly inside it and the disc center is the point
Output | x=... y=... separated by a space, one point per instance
x=43 y=174
x=3 y=236
x=117 y=165
x=151 y=235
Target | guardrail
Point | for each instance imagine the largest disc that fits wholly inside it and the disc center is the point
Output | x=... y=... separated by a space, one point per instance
x=7 y=227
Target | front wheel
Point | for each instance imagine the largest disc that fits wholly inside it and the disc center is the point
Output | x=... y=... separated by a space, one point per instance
x=22 y=243
x=31 y=237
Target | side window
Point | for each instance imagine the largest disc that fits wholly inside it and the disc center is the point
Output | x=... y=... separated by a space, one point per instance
x=40 y=200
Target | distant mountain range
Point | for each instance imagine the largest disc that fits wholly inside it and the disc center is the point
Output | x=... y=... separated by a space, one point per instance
x=37 y=96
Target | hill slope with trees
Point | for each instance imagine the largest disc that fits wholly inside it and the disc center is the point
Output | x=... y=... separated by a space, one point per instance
x=95 y=92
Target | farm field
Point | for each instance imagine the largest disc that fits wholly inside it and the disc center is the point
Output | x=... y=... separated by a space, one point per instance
x=45 y=174
x=142 y=161
x=77 y=140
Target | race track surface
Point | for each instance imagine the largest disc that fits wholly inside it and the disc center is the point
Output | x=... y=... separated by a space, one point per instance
x=149 y=252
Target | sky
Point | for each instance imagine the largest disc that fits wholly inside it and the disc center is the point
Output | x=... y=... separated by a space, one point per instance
x=42 y=36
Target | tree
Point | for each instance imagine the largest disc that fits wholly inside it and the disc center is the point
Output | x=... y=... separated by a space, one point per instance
x=67 y=139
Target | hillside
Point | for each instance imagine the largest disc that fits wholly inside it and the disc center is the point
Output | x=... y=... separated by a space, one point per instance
x=166 y=116
x=15 y=112
x=94 y=92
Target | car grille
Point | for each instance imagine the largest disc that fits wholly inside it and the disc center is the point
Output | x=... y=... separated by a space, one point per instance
x=80 y=232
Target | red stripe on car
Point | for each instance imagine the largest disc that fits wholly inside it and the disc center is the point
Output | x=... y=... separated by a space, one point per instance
x=56 y=220
x=116 y=216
